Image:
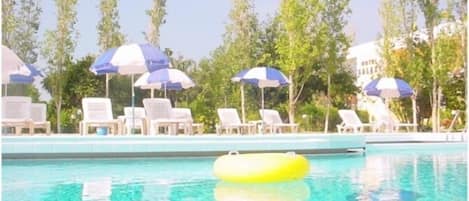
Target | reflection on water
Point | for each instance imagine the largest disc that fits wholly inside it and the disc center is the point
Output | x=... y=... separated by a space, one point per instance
x=282 y=191
x=410 y=176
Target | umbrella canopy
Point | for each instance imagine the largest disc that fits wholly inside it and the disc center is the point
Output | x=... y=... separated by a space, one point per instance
x=262 y=77
x=26 y=79
x=12 y=64
x=392 y=88
x=167 y=79
x=130 y=59
x=388 y=88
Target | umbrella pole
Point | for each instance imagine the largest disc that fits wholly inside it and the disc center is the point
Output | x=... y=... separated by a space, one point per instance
x=243 y=110
x=414 y=112
x=133 y=105
x=164 y=90
x=107 y=85
x=152 y=92
x=262 y=105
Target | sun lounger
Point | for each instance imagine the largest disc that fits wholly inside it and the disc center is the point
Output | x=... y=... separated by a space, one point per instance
x=130 y=122
x=39 y=116
x=272 y=121
x=185 y=113
x=397 y=124
x=160 y=115
x=16 y=113
x=230 y=121
x=97 y=112
x=350 y=122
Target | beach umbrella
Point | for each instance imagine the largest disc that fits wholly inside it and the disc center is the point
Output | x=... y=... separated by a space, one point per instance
x=130 y=59
x=261 y=77
x=164 y=79
x=388 y=88
x=12 y=64
x=26 y=79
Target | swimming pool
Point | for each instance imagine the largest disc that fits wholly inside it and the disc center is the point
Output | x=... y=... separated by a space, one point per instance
x=396 y=172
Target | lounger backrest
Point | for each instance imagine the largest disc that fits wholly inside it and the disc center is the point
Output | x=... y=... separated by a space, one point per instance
x=228 y=116
x=16 y=107
x=97 y=109
x=270 y=116
x=38 y=112
x=349 y=117
x=138 y=111
x=157 y=108
x=182 y=113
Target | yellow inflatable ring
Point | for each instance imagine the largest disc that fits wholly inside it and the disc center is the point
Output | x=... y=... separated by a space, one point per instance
x=261 y=167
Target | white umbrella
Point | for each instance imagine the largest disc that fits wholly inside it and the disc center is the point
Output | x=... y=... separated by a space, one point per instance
x=166 y=79
x=129 y=60
x=12 y=64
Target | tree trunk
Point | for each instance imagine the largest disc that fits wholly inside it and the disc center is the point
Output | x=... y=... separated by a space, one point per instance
x=291 y=99
x=58 y=107
x=326 y=128
x=434 y=106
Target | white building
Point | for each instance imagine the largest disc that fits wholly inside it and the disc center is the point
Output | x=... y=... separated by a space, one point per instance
x=365 y=62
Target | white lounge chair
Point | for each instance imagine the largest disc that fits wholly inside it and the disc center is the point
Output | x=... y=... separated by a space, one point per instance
x=397 y=124
x=97 y=112
x=350 y=122
x=229 y=121
x=138 y=122
x=39 y=116
x=160 y=115
x=273 y=122
x=185 y=113
x=16 y=113
x=381 y=118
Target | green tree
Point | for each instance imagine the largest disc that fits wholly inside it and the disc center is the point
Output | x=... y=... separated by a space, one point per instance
x=431 y=15
x=241 y=37
x=109 y=30
x=79 y=82
x=26 y=43
x=8 y=22
x=157 y=14
x=58 y=47
x=336 y=44
x=300 y=20
x=23 y=40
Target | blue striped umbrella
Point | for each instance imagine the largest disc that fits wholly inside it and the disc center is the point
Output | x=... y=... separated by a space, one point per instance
x=26 y=79
x=129 y=60
x=167 y=79
x=261 y=77
x=388 y=88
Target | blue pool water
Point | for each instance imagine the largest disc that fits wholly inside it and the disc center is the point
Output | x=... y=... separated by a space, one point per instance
x=423 y=173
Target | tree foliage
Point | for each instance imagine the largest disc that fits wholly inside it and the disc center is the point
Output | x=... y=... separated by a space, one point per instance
x=157 y=14
x=58 y=47
x=8 y=22
x=109 y=28
x=297 y=44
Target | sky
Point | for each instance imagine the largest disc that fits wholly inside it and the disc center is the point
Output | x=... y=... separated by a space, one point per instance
x=193 y=28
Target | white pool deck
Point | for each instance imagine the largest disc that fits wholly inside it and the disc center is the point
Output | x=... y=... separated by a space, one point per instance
x=74 y=145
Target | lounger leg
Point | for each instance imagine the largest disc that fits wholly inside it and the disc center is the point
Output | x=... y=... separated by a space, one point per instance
x=18 y=130
x=85 y=129
x=31 y=128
